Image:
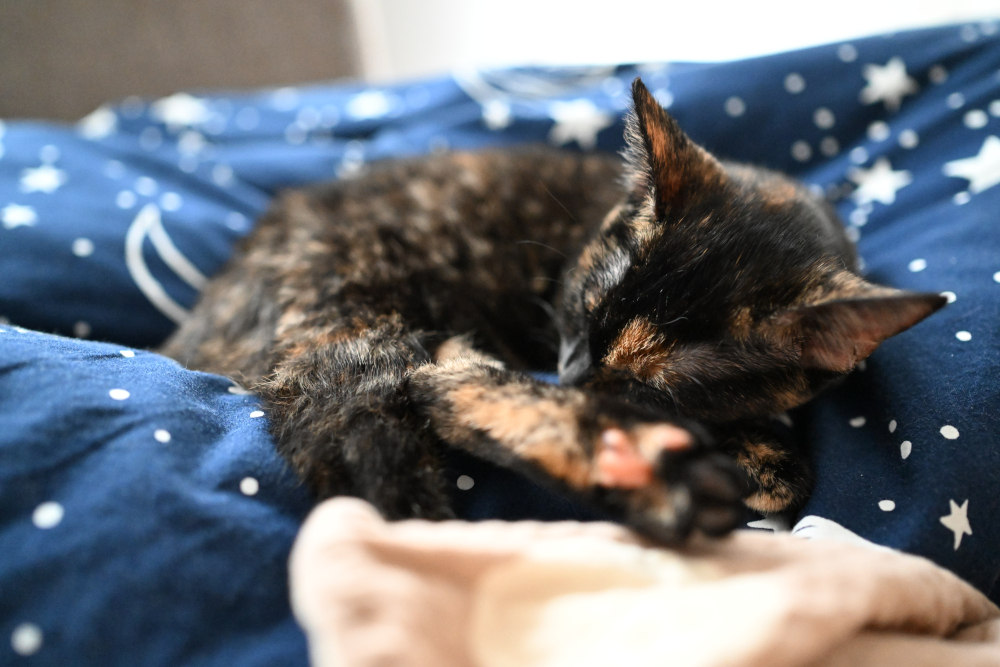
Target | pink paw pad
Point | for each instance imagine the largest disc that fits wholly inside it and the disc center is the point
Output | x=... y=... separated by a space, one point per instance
x=625 y=460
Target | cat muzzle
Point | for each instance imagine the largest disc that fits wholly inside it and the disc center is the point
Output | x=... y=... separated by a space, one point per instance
x=574 y=362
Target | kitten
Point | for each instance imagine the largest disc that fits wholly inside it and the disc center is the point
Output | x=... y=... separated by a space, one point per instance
x=385 y=317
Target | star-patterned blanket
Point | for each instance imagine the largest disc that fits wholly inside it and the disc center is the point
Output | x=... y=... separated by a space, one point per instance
x=144 y=518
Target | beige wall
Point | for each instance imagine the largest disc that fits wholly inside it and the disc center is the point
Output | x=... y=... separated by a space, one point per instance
x=62 y=58
x=406 y=38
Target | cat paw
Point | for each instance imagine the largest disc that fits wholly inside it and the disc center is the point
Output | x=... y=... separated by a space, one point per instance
x=671 y=481
x=627 y=459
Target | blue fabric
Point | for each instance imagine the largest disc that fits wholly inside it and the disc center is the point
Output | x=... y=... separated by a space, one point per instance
x=108 y=230
x=129 y=537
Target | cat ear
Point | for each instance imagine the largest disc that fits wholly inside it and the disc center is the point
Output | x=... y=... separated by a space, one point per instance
x=664 y=160
x=837 y=334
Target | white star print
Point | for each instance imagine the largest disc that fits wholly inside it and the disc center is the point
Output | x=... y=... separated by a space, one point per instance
x=180 y=110
x=369 y=104
x=578 y=120
x=880 y=183
x=982 y=170
x=100 y=123
x=887 y=83
x=14 y=215
x=958 y=521
x=496 y=114
x=45 y=178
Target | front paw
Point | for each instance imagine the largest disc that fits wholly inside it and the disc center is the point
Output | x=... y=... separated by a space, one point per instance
x=669 y=481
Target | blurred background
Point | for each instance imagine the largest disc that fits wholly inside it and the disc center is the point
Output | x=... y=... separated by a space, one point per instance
x=61 y=59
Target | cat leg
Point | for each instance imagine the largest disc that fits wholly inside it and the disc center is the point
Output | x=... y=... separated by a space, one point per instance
x=779 y=476
x=662 y=479
x=341 y=416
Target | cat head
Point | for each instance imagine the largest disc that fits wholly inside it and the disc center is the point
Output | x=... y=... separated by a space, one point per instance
x=721 y=291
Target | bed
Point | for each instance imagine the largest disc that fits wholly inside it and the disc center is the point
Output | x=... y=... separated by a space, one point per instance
x=144 y=517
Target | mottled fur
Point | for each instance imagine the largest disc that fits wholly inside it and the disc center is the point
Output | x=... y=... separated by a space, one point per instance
x=385 y=317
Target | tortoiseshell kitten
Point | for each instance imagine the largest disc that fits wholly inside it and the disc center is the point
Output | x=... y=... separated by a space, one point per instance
x=386 y=317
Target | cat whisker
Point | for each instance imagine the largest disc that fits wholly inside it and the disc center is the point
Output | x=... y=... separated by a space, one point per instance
x=556 y=199
x=527 y=241
x=551 y=280
x=673 y=396
x=543 y=337
x=545 y=306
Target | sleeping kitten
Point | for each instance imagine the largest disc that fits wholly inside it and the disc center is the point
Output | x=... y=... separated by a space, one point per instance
x=386 y=317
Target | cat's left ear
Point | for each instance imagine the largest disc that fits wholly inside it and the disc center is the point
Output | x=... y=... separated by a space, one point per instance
x=835 y=335
x=664 y=161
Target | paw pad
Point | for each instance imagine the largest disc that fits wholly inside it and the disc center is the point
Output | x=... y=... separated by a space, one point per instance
x=626 y=459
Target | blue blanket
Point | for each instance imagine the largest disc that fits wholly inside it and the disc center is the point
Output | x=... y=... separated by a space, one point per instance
x=144 y=518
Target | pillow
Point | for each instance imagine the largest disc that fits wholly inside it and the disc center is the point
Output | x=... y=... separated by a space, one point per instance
x=157 y=554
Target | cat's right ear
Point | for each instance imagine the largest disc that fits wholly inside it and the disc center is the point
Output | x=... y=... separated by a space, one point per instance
x=837 y=334
x=665 y=164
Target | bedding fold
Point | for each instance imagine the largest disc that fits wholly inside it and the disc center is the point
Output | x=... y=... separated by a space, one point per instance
x=529 y=594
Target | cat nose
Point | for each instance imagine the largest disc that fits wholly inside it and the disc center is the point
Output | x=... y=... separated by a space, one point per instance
x=574 y=362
